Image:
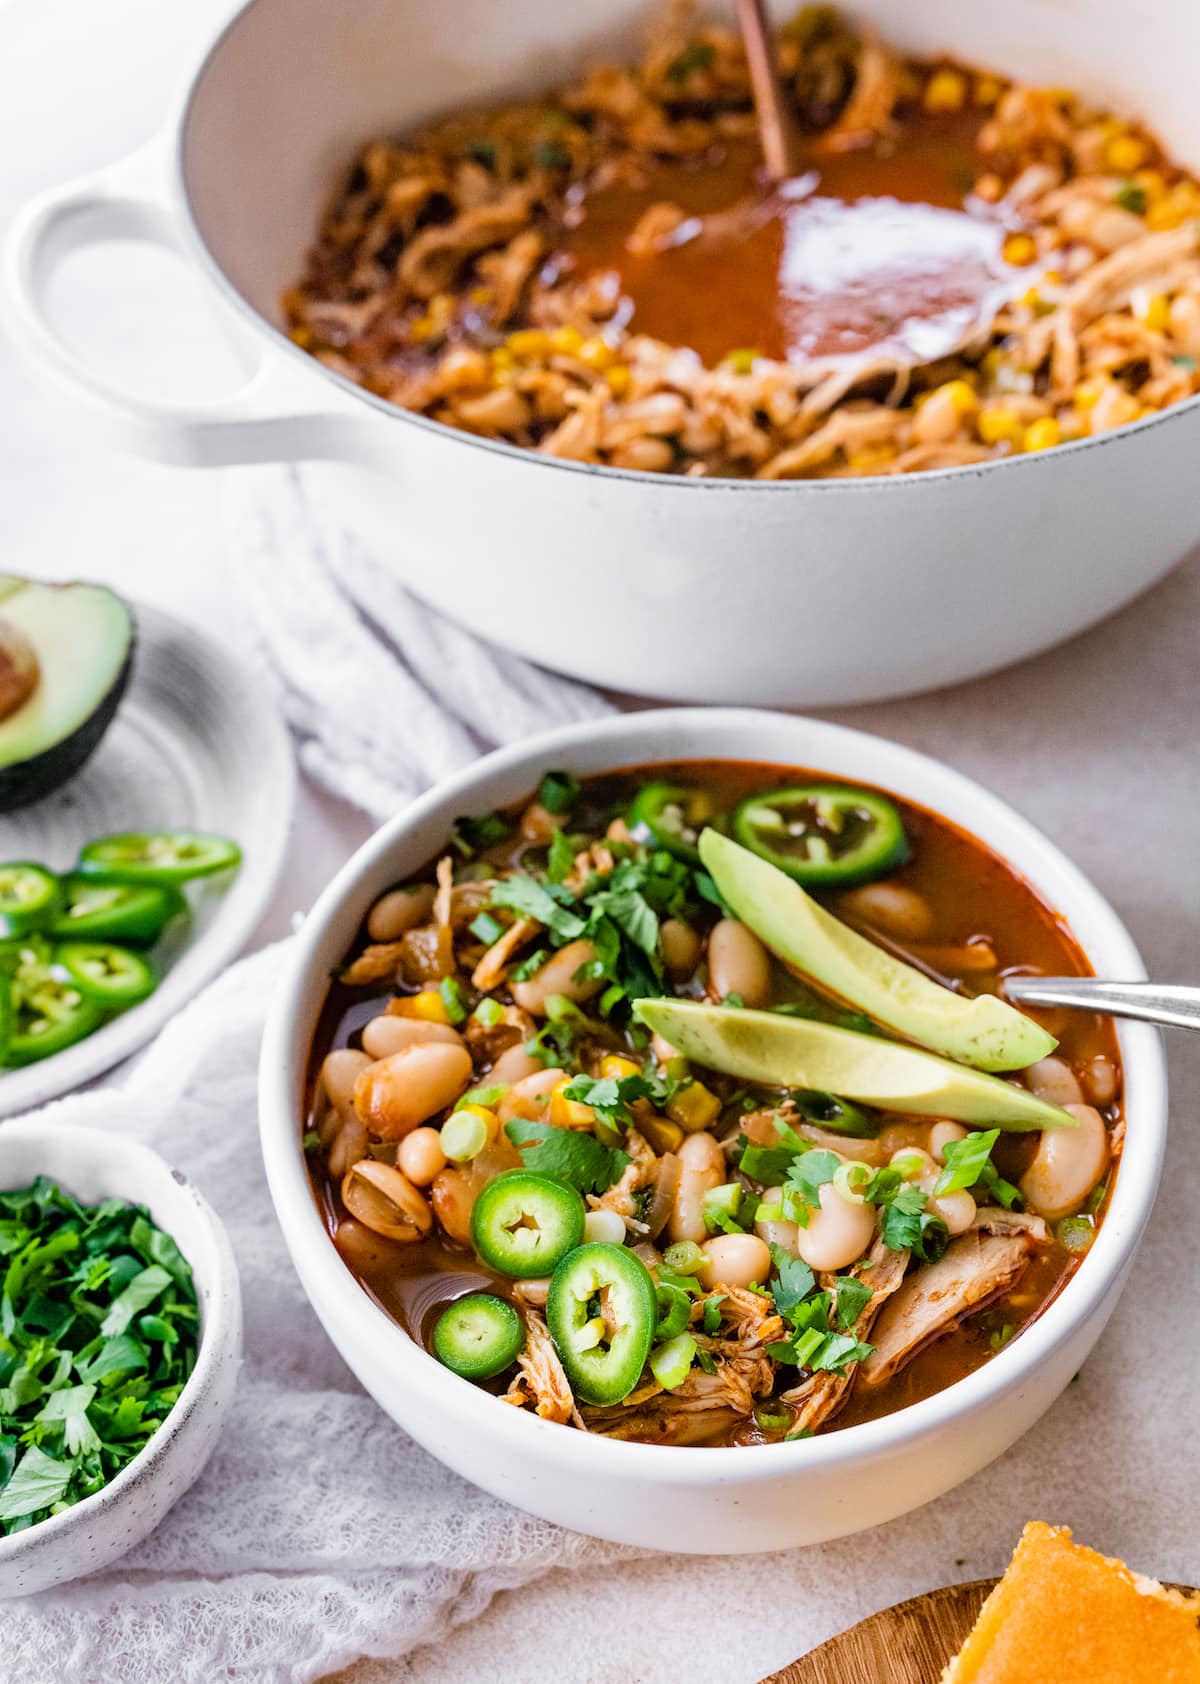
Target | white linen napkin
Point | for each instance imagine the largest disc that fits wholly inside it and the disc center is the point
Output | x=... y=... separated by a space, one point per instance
x=385 y=695
x=321 y=1533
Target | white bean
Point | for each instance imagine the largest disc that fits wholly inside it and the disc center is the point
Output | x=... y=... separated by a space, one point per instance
x=680 y=946
x=453 y=1196
x=383 y=1199
x=957 y=1211
x=604 y=1226
x=1053 y=1080
x=533 y=1292
x=838 y=1234
x=347 y=1147
x=890 y=906
x=1101 y=1080
x=399 y=911
x=388 y=1034
x=1067 y=1165
x=701 y=1168
x=512 y=1066
x=735 y=1260
x=738 y=963
x=397 y=1094
x=530 y=1096
x=557 y=976
x=420 y=1156
x=942 y=1135
x=339 y=1072
x=777 y=1230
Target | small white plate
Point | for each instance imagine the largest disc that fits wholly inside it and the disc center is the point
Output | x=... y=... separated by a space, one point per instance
x=198 y=743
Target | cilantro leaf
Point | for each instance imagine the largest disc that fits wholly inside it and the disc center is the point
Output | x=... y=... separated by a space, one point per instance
x=141 y=1292
x=851 y=1297
x=526 y=895
x=796 y=1280
x=558 y=792
x=38 y=1482
x=577 y=1158
x=561 y=858
x=908 y=1226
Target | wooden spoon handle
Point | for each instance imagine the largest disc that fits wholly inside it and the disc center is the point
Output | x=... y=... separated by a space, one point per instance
x=780 y=139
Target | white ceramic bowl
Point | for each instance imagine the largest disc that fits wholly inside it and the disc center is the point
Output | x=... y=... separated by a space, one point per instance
x=800 y=593
x=94 y=1164
x=695 y=1499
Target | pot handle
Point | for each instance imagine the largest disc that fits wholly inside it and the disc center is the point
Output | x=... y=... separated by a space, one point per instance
x=269 y=419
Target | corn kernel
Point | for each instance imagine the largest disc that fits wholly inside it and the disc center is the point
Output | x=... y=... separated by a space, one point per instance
x=998 y=425
x=486 y=1116
x=428 y=1005
x=596 y=353
x=1020 y=250
x=1030 y=298
x=569 y=1113
x=946 y=90
x=694 y=1107
x=1125 y=153
x=481 y=295
x=870 y=457
x=1152 y=309
x=566 y=339
x=528 y=342
x=613 y=1068
x=988 y=90
x=663 y=1135
x=962 y=395
x=618 y=380
x=503 y=361
x=1043 y=433
x=302 y=336
x=1052 y=278
x=1087 y=393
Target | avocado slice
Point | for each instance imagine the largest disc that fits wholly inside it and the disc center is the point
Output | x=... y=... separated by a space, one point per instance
x=66 y=652
x=983 y=1030
x=791 y=1052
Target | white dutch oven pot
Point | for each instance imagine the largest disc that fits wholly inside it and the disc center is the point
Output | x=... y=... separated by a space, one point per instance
x=825 y=592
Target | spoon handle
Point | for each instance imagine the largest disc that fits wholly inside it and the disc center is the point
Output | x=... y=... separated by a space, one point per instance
x=1150 y=1002
x=778 y=133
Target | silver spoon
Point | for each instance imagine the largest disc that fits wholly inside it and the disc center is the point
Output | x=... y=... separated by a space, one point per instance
x=1150 y=1002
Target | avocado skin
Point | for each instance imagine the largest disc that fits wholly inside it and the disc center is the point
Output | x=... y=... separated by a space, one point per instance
x=30 y=780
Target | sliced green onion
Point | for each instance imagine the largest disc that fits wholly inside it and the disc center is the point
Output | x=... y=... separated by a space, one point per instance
x=671 y=1362
x=684 y=1258
x=852 y=1180
x=489 y=1012
x=486 y=1097
x=463 y=1135
x=771 y=1420
x=451 y=991
x=712 y=1313
x=674 y=1311
x=806 y=1346
x=1076 y=1232
x=487 y=928
x=909 y=1165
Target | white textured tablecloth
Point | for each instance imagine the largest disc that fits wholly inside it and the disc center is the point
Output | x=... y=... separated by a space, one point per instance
x=320 y=1533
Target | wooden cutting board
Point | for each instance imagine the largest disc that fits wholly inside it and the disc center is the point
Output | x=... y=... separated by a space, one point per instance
x=907 y=1644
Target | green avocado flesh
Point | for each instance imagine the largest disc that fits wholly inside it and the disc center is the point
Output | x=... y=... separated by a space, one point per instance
x=982 y=1031
x=82 y=637
x=789 y=1052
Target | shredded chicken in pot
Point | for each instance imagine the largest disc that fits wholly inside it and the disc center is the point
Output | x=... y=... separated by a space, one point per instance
x=528 y=273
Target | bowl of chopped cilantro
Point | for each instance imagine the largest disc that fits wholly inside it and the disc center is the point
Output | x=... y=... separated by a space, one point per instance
x=120 y=1336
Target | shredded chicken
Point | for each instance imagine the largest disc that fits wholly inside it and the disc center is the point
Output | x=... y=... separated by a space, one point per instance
x=491 y=970
x=638 y=1173
x=818 y=1399
x=978 y=1267
x=542 y=1382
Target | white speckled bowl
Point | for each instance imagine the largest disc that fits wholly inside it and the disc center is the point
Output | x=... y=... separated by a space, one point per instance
x=94 y=1165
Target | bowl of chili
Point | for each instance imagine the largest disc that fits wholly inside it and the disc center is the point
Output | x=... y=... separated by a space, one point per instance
x=683 y=1496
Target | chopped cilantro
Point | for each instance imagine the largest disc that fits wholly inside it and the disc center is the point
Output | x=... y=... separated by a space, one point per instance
x=795 y=1280
x=697 y=55
x=1131 y=196
x=906 y=1225
x=99 y=1320
x=535 y=900
x=964 y=1160
x=851 y=1296
x=561 y=858
x=486 y=1096
x=558 y=792
x=569 y=1154
x=807 y=1173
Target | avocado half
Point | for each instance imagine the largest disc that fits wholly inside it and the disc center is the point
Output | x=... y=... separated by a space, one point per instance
x=66 y=653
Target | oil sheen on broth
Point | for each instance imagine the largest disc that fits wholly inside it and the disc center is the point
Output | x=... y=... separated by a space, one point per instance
x=872 y=251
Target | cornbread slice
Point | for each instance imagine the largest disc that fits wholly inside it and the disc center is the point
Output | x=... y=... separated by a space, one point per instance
x=1064 y=1615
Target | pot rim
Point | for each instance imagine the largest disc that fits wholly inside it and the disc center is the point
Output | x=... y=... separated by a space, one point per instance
x=281 y=344
x=341 y=1301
